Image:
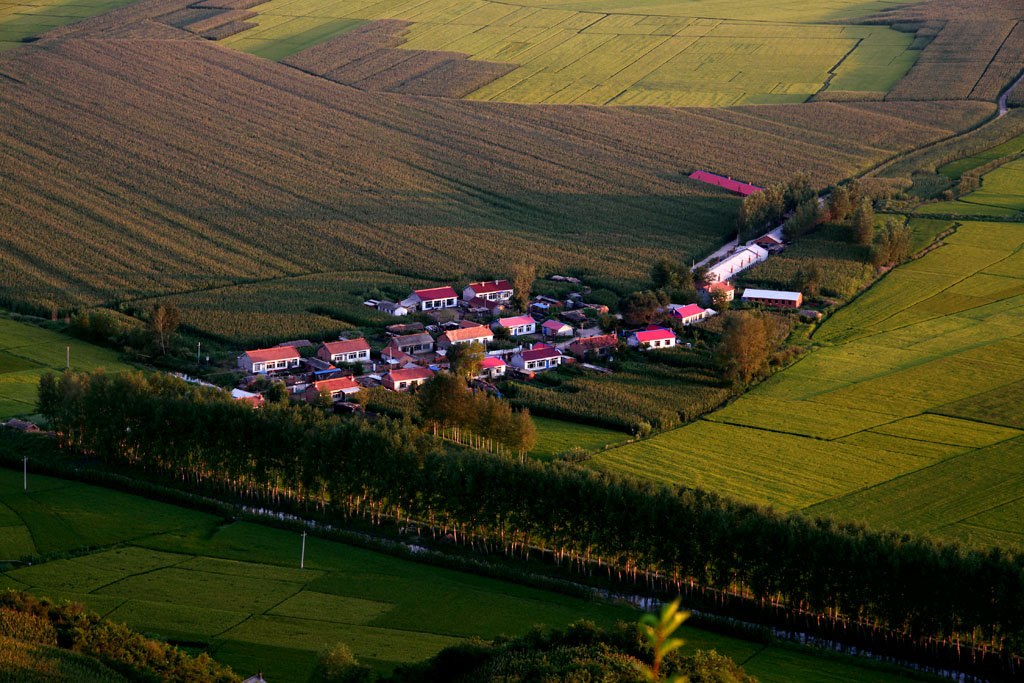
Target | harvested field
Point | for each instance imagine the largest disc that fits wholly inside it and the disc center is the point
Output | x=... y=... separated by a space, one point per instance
x=970 y=54
x=225 y=30
x=323 y=178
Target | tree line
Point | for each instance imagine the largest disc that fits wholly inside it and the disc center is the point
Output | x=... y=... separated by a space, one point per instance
x=291 y=455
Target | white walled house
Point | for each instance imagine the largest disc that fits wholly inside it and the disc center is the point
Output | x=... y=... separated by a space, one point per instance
x=518 y=325
x=466 y=335
x=432 y=299
x=406 y=378
x=556 y=328
x=541 y=357
x=653 y=337
x=492 y=367
x=494 y=290
x=345 y=351
x=269 y=360
x=689 y=314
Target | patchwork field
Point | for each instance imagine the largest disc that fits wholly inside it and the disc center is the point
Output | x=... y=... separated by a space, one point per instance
x=905 y=417
x=27 y=352
x=999 y=194
x=323 y=191
x=668 y=54
x=235 y=588
x=25 y=18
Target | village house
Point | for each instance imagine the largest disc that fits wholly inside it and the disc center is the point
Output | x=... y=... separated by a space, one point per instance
x=391 y=308
x=556 y=328
x=518 y=325
x=739 y=260
x=483 y=306
x=466 y=335
x=432 y=299
x=707 y=293
x=541 y=357
x=545 y=305
x=412 y=343
x=279 y=358
x=338 y=388
x=771 y=297
x=406 y=378
x=344 y=351
x=653 y=337
x=600 y=346
x=495 y=290
x=492 y=367
x=395 y=356
x=689 y=314
x=574 y=317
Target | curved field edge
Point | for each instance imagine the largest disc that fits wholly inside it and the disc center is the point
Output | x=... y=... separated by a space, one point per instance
x=895 y=420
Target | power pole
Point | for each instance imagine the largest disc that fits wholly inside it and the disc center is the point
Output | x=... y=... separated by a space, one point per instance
x=68 y=363
x=199 y=348
x=25 y=474
x=302 y=559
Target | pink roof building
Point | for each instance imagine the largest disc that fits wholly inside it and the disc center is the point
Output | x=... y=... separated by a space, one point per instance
x=742 y=189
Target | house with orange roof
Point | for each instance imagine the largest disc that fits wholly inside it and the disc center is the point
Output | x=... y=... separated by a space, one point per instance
x=466 y=335
x=277 y=359
x=338 y=388
x=344 y=351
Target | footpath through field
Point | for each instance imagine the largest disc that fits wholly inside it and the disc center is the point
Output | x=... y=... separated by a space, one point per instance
x=1002 y=98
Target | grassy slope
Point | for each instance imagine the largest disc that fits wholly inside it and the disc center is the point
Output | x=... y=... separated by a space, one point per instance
x=849 y=430
x=29 y=662
x=27 y=352
x=558 y=436
x=236 y=589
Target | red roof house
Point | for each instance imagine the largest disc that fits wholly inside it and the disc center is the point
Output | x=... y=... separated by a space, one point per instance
x=492 y=367
x=540 y=357
x=494 y=290
x=406 y=378
x=743 y=189
x=520 y=324
x=344 y=351
x=689 y=313
x=653 y=337
x=269 y=360
x=429 y=299
x=338 y=388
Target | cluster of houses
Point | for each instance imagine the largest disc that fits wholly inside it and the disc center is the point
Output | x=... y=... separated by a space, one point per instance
x=412 y=353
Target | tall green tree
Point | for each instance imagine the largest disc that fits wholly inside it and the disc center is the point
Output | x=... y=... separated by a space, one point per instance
x=465 y=360
x=745 y=346
x=864 y=223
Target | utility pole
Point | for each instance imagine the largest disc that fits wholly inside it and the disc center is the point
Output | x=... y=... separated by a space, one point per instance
x=199 y=349
x=302 y=559
x=25 y=475
x=68 y=363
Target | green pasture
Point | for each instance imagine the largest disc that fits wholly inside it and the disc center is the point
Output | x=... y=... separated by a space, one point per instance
x=558 y=436
x=235 y=589
x=957 y=168
x=1000 y=193
x=25 y=18
x=27 y=352
x=907 y=416
x=613 y=52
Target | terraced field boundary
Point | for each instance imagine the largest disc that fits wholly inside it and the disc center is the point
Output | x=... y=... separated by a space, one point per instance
x=895 y=419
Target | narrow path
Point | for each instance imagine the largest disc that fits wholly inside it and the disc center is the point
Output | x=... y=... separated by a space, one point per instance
x=1006 y=93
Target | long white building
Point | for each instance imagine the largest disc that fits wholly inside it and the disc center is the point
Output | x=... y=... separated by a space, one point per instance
x=739 y=260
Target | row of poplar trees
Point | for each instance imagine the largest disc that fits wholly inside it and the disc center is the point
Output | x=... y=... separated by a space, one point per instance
x=294 y=456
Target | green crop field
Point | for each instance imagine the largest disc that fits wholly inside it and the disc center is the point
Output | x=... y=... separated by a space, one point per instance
x=907 y=417
x=957 y=168
x=235 y=589
x=25 y=18
x=617 y=52
x=557 y=436
x=27 y=351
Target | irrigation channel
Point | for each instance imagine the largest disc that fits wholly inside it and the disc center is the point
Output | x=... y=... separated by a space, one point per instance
x=652 y=600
